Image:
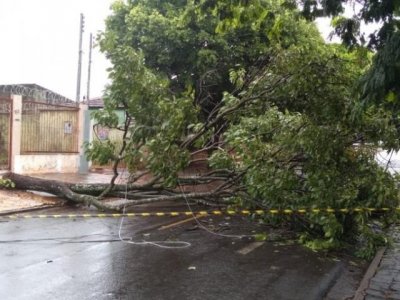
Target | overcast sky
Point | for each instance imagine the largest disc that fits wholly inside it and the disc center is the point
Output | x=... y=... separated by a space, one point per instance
x=39 y=43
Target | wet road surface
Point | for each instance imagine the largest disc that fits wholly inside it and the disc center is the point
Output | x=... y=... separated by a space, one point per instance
x=84 y=259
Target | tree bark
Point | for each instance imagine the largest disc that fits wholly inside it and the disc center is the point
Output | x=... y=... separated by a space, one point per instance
x=58 y=188
x=92 y=194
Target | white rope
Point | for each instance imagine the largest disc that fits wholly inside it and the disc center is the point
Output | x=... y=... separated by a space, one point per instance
x=204 y=227
x=159 y=244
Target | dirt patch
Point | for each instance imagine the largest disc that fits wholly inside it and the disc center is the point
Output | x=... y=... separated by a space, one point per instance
x=18 y=200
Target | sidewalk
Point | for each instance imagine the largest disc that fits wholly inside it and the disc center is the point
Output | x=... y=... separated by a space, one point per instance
x=15 y=201
x=385 y=284
x=12 y=201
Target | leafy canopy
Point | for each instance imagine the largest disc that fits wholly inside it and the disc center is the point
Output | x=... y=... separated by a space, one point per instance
x=253 y=83
x=381 y=84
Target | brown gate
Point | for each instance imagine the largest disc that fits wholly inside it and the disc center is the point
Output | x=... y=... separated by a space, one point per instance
x=49 y=128
x=5 y=132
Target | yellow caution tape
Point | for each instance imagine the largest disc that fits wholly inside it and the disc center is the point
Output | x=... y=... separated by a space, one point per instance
x=206 y=213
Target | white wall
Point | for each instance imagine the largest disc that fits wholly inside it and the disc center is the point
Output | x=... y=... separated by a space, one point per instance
x=46 y=163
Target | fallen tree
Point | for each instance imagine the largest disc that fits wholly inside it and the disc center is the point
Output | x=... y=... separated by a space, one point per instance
x=58 y=188
x=92 y=194
x=275 y=110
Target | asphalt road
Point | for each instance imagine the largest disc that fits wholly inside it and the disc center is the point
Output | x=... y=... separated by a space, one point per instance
x=85 y=259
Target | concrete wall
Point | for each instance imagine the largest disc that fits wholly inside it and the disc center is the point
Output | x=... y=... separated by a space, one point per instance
x=46 y=163
x=83 y=136
x=16 y=129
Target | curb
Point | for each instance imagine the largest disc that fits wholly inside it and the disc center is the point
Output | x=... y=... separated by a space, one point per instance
x=24 y=210
x=360 y=293
x=328 y=281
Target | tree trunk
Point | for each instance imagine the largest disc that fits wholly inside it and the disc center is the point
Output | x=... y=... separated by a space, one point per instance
x=58 y=188
x=92 y=194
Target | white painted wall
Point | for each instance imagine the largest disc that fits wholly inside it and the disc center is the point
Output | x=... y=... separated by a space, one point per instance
x=46 y=163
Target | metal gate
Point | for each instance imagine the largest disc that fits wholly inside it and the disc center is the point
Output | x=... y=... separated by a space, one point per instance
x=49 y=128
x=5 y=132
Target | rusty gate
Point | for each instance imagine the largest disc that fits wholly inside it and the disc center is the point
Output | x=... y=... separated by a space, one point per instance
x=5 y=132
x=49 y=128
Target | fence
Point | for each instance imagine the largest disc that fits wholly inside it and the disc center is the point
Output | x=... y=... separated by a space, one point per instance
x=5 y=132
x=49 y=128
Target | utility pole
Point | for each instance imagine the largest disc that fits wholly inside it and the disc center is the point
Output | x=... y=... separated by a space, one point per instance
x=78 y=83
x=89 y=67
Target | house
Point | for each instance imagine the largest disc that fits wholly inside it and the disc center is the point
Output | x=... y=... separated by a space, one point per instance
x=41 y=131
x=101 y=133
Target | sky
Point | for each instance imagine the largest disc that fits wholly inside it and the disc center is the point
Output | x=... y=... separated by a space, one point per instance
x=40 y=42
x=40 y=39
x=325 y=29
